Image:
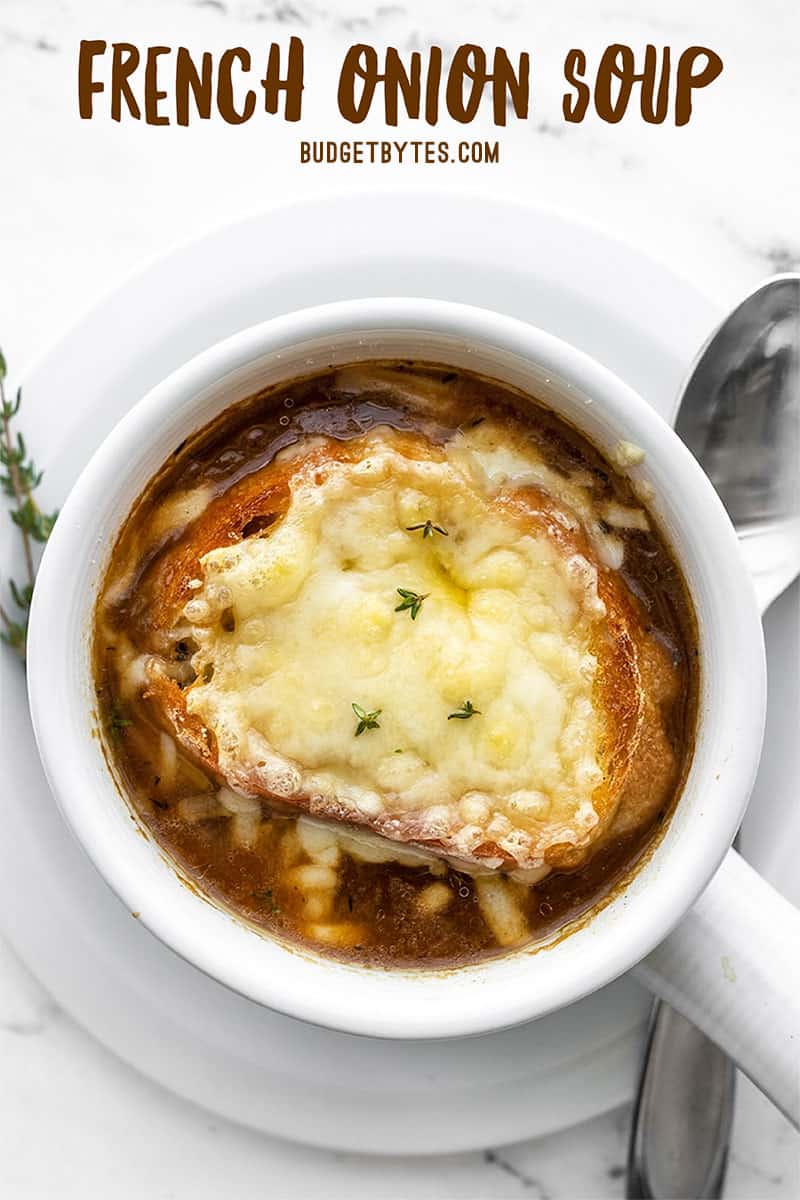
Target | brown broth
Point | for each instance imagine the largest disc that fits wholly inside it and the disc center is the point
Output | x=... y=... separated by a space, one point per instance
x=379 y=902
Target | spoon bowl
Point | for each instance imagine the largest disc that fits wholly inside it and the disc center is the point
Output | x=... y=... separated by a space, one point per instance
x=739 y=414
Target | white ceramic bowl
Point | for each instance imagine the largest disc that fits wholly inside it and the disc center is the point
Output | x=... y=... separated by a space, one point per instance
x=400 y=1003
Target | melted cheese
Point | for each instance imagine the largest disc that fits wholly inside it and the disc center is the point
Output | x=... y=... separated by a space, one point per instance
x=509 y=620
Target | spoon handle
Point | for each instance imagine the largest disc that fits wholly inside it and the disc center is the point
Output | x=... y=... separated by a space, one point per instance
x=684 y=1111
x=733 y=967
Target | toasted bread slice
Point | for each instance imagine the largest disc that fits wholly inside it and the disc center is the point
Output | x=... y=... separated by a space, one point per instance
x=423 y=641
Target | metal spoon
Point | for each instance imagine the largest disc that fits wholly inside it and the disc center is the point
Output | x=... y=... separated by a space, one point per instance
x=739 y=414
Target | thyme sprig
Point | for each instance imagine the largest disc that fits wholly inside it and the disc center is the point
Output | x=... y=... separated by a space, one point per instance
x=464 y=713
x=411 y=600
x=366 y=720
x=19 y=479
x=428 y=529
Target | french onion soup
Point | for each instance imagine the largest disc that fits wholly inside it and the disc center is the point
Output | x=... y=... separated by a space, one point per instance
x=393 y=663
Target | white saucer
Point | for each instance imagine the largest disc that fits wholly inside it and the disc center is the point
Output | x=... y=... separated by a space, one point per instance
x=151 y=1008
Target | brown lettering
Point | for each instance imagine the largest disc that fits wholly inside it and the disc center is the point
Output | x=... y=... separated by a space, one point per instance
x=616 y=66
x=152 y=95
x=292 y=85
x=125 y=60
x=574 y=108
x=400 y=81
x=688 y=80
x=511 y=85
x=655 y=86
x=432 y=83
x=199 y=83
x=360 y=63
x=225 y=98
x=87 y=86
x=468 y=66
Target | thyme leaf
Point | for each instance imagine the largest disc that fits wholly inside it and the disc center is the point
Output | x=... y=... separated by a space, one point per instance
x=366 y=720
x=428 y=529
x=14 y=634
x=266 y=897
x=464 y=713
x=410 y=600
x=117 y=719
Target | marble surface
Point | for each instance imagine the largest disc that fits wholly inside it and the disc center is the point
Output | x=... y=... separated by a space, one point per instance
x=85 y=203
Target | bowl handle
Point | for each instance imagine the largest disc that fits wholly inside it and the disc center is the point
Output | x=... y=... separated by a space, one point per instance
x=733 y=968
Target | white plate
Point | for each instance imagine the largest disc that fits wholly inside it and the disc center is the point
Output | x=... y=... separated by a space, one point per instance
x=150 y=1007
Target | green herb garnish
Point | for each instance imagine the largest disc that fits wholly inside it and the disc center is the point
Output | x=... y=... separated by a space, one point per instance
x=366 y=720
x=266 y=897
x=410 y=600
x=117 y=719
x=464 y=713
x=428 y=529
x=18 y=481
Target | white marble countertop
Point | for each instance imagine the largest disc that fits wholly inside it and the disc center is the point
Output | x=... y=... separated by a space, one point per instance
x=84 y=203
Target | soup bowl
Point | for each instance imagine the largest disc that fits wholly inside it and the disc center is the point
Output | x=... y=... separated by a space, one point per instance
x=521 y=985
